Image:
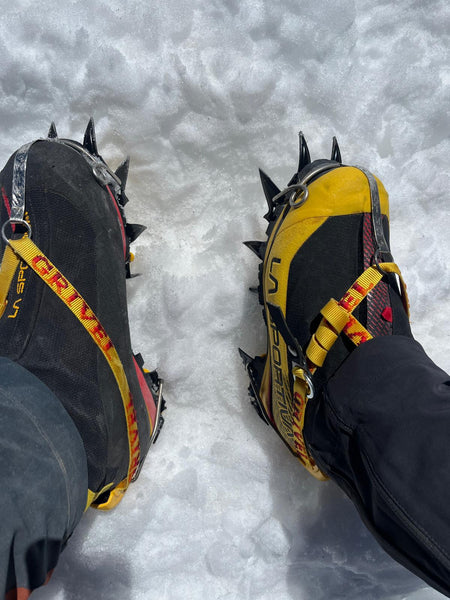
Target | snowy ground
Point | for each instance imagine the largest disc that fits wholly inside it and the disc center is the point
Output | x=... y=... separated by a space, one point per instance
x=200 y=94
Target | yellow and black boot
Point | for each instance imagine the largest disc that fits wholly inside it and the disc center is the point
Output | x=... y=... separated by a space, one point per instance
x=327 y=282
x=66 y=258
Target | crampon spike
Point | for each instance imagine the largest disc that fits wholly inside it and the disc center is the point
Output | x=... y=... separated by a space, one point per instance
x=253 y=290
x=304 y=158
x=254 y=367
x=122 y=172
x=257 y=247
x=246 y=358
x=129 y=274
x=90 y=140
x=270 y=191
x=138 y=358
x=52 y=133
x=134 y=230
x=335 y=151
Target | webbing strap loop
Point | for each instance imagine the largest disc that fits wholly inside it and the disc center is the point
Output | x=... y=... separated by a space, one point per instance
x=335 y=314
x=43 y=267
x=315 y=353
x=326 y=337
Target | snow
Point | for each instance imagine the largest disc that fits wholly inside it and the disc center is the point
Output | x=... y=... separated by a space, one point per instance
x=200 y=94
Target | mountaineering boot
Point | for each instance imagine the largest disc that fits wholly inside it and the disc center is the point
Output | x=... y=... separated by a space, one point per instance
x=63 y=306
x=327 y=282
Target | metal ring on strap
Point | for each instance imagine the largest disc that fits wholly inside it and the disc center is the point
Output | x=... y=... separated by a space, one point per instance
x=299 y=196
x=310 y=385
x=307 y=378
x=377 y=257
x=15 y=222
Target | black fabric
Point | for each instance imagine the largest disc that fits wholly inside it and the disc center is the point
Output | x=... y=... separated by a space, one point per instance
x=43 y=479
x=338 y=243
x=75 y=223
x=381 y=432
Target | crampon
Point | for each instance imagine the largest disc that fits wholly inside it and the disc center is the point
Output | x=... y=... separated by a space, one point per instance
x=66 y=257
x=327 y=282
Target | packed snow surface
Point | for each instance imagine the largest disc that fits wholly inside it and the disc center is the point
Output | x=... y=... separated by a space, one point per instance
x=201 y=94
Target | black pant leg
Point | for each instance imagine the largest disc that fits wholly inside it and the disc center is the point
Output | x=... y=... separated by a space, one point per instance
x=381 y=431
x=43 y=480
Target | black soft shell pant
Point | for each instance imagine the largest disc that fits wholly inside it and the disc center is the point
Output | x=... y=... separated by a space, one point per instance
x=43 y=480
x=382 y=432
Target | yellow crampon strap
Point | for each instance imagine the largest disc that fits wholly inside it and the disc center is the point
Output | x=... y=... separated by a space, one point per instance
x=42 y=266
x=301 y=391
x=8 y=268
x=337 y=317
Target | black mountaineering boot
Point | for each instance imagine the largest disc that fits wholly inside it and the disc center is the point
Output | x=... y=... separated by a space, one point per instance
x=327 y=282
x=66 y=255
